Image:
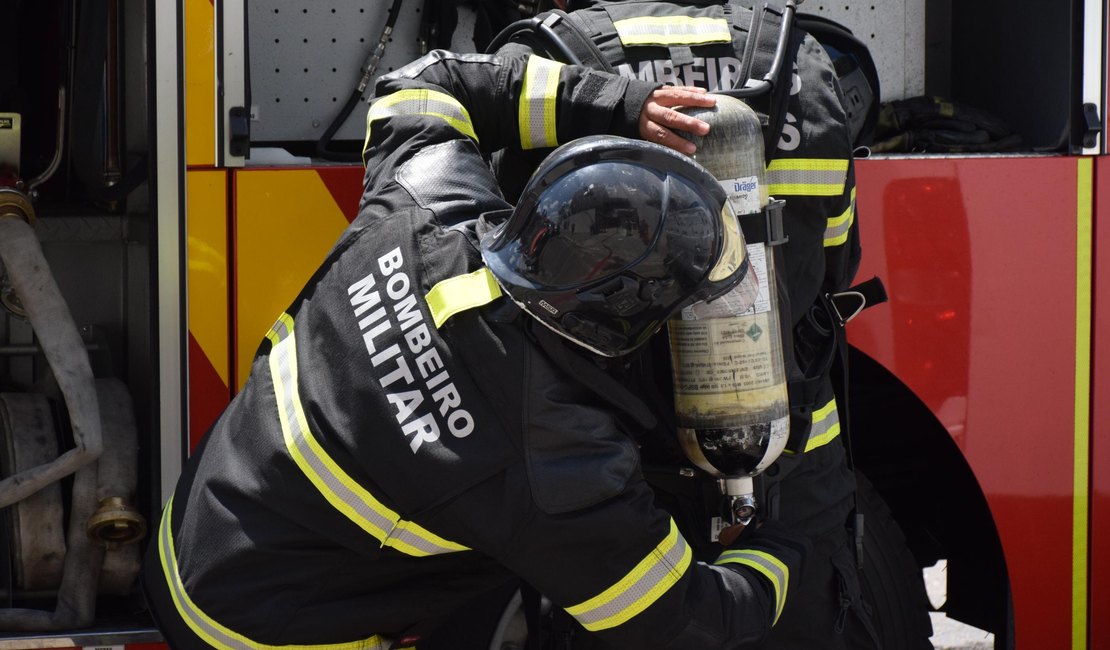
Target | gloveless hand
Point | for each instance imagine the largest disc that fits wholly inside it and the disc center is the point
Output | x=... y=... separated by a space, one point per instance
x=659 y=120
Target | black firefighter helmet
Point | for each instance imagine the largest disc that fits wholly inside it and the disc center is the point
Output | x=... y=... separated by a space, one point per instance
x=611 y=237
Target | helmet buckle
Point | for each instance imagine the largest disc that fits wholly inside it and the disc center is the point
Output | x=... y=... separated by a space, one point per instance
x=619 y=296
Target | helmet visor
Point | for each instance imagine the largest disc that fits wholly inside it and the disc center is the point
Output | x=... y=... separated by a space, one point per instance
x=734 y=248
x=591 y=224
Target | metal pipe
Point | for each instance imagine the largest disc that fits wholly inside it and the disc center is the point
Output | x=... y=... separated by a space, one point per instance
x=112 y=165
x=59 y=141
x=63 y=347
x=31 y=349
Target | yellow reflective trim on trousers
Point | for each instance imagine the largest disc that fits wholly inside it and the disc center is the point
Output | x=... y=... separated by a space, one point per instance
x=672 y=30
x=1081 y=498
x=806 y=177
x=639 y=588
x=204 y=626
x=341 y=491
x=766 y=564
x=836 y=232
x=536 y=106
x=825 y=426
x=421 y=101
x=453 y=295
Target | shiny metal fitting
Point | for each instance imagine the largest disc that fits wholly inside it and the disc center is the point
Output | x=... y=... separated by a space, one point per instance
x=116 y=523
x=17 y=205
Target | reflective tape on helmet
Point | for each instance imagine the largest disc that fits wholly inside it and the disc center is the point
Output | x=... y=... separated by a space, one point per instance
x=825 y=426
x=536 y=110
x=421 y=101
x=766 y=564
x=453 y=295
x=341 y=491
x=204 y=626
x=836 y=232
x=806 y=177
x=639 y=588
x=672 y=30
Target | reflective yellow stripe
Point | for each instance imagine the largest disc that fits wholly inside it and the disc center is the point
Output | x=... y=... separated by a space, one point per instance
x=642 y=586
x=836 y=232
x=766 y=564
x=536 y=111
x=1080 y=486
x=825 y=426
x=205 y=627
x=806 y=177
x=460 y=293
x=342 y=491
x=421 y=101
x=672 y=30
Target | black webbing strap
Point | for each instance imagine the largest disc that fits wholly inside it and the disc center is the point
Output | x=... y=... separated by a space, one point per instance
x=531 y=603
x=765 y=226
x=757 y=63
x=573 y=32
x=842 y=308
x=587 y=372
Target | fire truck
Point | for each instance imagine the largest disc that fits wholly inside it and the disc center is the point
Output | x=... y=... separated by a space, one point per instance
x=172 y=172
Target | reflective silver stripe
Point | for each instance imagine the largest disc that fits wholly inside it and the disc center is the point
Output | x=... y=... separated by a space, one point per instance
x=768 y=565
x=334 y=484
x=825 y=425
x=205 y=627
x=421 y=101
x=836 y=232
x=538 y=97
x=639 y=588
x=672 y=30
x=806 y=177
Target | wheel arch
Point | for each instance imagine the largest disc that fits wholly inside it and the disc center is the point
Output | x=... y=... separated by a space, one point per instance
x=933 y=494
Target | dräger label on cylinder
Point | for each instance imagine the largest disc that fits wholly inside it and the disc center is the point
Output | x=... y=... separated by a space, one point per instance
x=743 y=194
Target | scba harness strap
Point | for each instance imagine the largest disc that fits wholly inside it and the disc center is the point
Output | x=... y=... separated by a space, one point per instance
x=822 y=342
x=767 y=61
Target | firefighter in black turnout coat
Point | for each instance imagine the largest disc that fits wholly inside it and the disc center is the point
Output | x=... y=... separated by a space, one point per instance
x=412 y=440
x=705 y=43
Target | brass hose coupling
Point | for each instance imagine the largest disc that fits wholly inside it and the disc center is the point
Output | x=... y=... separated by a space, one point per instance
x=116 y=523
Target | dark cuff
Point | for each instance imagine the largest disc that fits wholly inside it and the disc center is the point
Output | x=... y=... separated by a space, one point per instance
x=626 y=119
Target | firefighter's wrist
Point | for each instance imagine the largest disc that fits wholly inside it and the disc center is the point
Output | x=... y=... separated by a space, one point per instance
x=626 y=118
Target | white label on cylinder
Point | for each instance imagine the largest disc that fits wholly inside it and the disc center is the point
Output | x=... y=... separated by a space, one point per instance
x=721 y=356
x=757 y=257
x=743 y=194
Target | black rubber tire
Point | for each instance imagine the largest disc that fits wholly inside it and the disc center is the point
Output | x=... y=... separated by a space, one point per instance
x=892 y=582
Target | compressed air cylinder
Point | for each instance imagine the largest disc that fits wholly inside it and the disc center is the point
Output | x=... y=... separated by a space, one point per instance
x=729 y=377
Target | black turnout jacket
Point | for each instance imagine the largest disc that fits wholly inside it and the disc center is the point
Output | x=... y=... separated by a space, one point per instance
x=408 y=440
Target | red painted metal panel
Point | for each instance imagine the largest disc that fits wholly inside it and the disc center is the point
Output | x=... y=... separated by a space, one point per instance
x=1100 y=414
x=978 y=255
x=208 y=395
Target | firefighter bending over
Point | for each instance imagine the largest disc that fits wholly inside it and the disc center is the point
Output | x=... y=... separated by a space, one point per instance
x=429 y=423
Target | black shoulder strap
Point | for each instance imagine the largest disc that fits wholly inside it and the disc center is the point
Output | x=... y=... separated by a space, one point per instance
x=757 y=62
x=570 y=28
